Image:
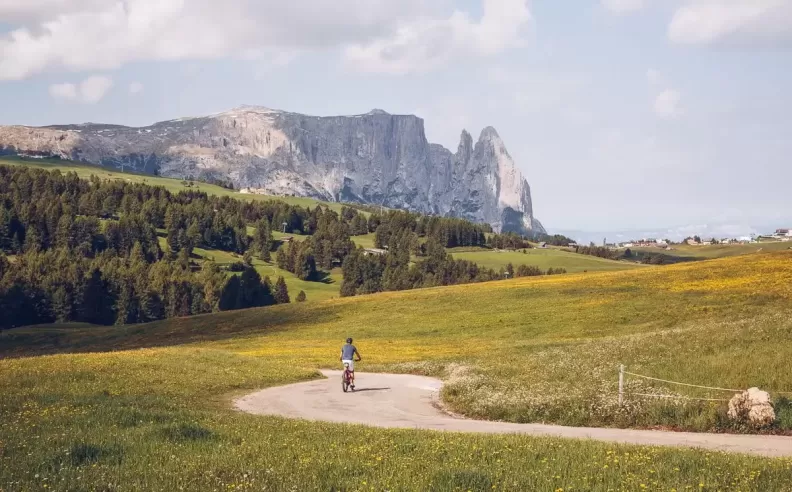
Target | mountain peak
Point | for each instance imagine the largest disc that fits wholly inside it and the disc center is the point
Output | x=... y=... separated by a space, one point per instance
x=489 y=133
x=253 y=109
x=376 y=111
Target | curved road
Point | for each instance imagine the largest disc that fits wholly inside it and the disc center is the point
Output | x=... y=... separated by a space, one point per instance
x=402 y=401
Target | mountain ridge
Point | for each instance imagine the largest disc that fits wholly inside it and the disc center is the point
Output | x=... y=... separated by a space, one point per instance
x=375 y=158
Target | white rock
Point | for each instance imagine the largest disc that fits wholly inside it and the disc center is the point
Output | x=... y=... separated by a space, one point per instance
x=752 y=406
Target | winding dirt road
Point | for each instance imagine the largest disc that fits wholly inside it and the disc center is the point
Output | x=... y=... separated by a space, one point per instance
x=402 y=401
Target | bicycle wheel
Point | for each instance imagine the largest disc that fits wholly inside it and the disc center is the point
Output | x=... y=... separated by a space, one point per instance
x=344 y=383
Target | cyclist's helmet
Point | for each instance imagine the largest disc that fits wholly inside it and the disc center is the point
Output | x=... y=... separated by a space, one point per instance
x=349 y=340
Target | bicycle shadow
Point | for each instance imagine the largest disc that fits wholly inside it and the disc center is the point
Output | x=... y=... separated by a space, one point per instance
x=370 y=389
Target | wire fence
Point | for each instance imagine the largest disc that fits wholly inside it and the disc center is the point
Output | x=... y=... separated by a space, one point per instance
x=622 y=392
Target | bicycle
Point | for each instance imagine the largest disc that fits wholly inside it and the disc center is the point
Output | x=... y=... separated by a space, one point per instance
x=346 y=379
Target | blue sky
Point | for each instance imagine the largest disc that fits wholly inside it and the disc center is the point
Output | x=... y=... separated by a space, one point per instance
x=620 y=113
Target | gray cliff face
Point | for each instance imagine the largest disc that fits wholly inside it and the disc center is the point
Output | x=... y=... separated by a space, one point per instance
x=376 y=158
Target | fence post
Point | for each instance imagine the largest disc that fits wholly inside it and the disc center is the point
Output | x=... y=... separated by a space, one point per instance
x=621 y=384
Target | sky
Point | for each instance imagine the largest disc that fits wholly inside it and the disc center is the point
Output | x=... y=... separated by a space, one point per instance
x=621 y=114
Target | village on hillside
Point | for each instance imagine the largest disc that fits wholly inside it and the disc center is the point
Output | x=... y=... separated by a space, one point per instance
x=780 y=235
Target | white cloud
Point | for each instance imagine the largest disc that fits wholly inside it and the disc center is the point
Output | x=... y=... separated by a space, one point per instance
x=99 y=35
x=90 y=91
x=623 y=6
x=667 y=104
x=710 y=21
x=135 y=88
x=426 y=44
x=93 y=89
x=65 y=91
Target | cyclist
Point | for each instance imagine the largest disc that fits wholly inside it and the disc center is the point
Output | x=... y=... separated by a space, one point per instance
x=348 y=352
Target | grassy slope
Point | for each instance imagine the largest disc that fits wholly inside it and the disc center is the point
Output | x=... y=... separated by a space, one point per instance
x=544 y=259
x=547 y=348
x=85 y=171
x=328 y=288
x=708 y=252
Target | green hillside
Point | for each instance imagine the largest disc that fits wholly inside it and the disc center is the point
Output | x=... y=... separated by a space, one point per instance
x=686 y=252
x=326 y=288
x=147 y=406
x=544 y=259
x=85 y=171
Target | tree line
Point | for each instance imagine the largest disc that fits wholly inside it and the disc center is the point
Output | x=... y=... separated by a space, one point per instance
x=598 y=251
x=367 y=273
x=88 y=250
x=115 y=252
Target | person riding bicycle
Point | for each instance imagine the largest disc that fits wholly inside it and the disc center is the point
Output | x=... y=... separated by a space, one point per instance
x=348 y=352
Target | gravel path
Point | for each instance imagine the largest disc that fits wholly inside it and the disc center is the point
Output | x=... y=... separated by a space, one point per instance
x=403 y=401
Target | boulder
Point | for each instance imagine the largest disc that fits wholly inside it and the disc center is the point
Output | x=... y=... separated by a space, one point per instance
x=753 y=407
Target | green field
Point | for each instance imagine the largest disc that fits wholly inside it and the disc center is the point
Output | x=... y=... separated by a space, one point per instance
x=85 y=171
x=366 y=241
x=328 y=288
x=686 y=252
x=148 y=406
x=544 y=259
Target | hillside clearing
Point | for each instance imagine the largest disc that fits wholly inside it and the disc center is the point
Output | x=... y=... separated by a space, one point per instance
x=544 y=259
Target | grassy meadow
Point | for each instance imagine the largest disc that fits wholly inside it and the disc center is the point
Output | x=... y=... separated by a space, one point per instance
x=148 y=406
x=686 y=252
x=542 y=258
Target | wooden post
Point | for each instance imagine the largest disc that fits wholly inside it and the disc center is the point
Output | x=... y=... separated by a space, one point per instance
x=621 y=384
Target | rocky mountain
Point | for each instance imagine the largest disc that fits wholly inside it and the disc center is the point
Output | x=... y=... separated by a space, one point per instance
x=375 y=158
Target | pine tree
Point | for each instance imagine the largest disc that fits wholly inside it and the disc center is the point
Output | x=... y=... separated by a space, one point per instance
x=5 y=229
x=301 y=296
x=229 y=298
x=32 y=240
x=263 y=239
x=151 y=307
x=266 y=255
x=95 y=305
x=62 y=304
x=305 y=265
x=213 y=281
x=127 y=304
x=266 y=285
x=283 y=256
x=281 y=291
x=193 y=235
x=173 y=226
x=251 y=293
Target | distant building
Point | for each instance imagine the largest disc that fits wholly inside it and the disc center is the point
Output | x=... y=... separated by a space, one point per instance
x=542 y=245
x=374 y=252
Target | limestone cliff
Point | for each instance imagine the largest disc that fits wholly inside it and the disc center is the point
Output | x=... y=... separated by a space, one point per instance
x=375 y=158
